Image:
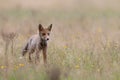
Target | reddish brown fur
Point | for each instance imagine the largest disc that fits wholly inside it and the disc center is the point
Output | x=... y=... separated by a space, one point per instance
x=37 y=43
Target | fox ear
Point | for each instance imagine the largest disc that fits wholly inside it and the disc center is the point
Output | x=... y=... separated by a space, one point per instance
x=50 y=27
x=40 y=28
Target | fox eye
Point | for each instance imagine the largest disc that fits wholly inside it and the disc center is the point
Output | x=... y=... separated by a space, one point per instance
x=43 y=34
x=48 y=33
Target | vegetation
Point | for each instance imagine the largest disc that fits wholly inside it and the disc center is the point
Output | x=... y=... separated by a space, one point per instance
x=84 y=42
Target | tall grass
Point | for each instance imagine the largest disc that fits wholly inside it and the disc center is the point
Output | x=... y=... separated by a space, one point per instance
x=84 y=44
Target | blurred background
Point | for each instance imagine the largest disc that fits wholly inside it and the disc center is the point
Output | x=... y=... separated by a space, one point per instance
x=84 y=43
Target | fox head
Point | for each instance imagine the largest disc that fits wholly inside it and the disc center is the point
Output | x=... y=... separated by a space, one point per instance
x=44 y=33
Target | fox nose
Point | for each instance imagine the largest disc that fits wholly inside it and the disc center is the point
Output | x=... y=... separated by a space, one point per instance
x=47 y=39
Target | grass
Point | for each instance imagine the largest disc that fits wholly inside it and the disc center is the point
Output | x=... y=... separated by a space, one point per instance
x=90 y=63
x=83 y=45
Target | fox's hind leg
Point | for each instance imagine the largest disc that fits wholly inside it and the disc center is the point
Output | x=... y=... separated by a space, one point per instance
x=37 y=60
x=30 y=53
x=30 y=59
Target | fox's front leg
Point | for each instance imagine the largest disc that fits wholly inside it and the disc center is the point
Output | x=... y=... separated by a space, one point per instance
x=45 y=55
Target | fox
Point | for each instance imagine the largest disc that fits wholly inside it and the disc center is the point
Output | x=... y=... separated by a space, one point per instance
x=37 y=43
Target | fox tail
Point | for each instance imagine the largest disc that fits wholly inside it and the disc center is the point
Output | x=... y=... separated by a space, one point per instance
x=25 y=49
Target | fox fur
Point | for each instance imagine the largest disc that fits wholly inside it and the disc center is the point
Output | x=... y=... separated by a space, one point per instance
x=37 y=43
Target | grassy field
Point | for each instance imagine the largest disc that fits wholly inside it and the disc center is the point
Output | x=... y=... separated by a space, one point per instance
x=84 y=42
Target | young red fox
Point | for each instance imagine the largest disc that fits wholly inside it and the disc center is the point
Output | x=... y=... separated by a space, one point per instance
x=37 y=43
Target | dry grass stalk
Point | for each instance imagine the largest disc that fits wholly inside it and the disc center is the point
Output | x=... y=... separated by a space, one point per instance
x=12 y=38
x=7 y=38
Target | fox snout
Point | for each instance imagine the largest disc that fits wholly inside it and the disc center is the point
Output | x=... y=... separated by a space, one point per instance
x=45 y=38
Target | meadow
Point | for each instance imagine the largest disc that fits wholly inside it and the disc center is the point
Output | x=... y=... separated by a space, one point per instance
x=84 y=43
